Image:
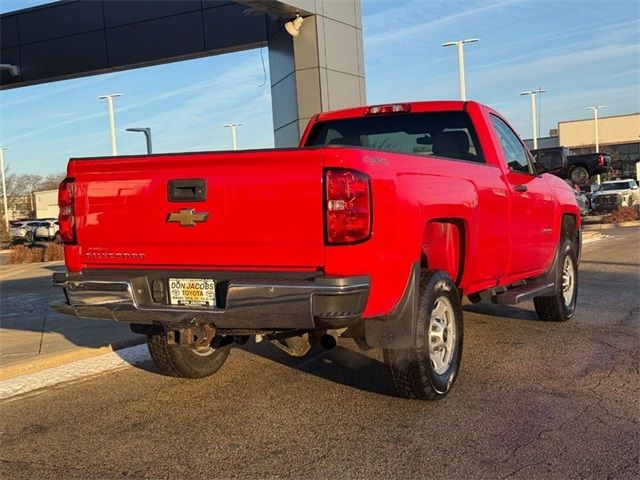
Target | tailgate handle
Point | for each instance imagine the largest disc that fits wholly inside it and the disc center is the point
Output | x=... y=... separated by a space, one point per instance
x=187 y=190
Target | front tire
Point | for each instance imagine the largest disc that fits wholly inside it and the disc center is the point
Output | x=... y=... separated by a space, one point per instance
x=180 y=361
x=561 y=306
x=428 y=370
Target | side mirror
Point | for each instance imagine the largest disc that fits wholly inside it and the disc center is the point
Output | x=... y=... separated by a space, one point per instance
x=538 y=168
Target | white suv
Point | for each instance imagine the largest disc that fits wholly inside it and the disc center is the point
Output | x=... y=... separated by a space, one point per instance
x=616 y=193
x=47 y=229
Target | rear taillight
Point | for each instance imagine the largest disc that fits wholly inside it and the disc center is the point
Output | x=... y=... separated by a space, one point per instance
x=348 y=206
x=601 y=160
x=67 y=219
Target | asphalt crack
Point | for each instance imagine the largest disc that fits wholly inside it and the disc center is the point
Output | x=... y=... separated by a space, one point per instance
x=539 y=438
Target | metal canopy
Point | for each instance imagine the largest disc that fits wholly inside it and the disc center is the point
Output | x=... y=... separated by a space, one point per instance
x=70 y=39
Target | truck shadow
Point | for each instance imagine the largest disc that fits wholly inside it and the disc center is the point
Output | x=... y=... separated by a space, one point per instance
x=342 y=365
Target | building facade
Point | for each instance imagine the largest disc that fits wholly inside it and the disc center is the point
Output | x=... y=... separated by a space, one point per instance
x=46 y=204
x=618 y=135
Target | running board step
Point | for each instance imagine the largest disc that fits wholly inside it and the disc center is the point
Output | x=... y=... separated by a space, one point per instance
x=524 y=292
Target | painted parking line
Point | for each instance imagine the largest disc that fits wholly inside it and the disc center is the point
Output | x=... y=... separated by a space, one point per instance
x=73 y=371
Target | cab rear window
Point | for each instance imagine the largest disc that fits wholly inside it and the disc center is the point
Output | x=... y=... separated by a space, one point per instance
x=439 y=134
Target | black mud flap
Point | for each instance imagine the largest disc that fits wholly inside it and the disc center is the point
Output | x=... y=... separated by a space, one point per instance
x=397 y=329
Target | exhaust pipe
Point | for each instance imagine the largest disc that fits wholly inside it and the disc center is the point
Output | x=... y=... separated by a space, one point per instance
x=328 y=341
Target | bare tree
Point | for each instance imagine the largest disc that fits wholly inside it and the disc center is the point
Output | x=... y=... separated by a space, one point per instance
x=23 y=185
x=51 y=181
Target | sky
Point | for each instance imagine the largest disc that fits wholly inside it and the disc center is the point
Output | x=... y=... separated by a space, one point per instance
x=584 y=52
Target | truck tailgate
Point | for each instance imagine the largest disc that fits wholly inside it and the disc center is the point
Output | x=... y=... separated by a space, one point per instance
x=263 y=211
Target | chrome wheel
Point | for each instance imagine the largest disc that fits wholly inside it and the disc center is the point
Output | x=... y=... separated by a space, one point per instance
x=442 y=335
x=568 y=280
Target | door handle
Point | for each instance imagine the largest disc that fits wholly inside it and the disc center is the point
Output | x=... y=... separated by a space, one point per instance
x=520 y=188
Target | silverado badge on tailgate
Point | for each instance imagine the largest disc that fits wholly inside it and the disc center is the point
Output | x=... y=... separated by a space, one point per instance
x=187 y=217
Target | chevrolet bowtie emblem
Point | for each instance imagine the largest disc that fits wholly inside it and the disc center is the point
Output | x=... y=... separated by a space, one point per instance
x=187 y=217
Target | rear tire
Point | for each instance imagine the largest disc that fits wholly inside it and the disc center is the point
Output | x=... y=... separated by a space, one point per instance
x=579 y=175
x=428 y=370
x=180 y=361
x=561 y=306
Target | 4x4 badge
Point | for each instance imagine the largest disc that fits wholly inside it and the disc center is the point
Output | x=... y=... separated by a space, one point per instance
x=187 y=217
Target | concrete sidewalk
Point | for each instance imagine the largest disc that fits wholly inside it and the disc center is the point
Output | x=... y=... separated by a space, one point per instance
x=33 y=337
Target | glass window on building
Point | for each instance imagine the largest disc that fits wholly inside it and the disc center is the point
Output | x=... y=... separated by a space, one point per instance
x=623 y=159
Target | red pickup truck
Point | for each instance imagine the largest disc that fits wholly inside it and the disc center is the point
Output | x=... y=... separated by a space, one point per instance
x=372 y=229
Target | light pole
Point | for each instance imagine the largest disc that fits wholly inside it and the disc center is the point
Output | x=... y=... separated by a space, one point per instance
x=112 y=122
x=595 y=109
x=4 y=189
x=147 y=134
x=534 y=122
x=234 y=138
x=460 y=44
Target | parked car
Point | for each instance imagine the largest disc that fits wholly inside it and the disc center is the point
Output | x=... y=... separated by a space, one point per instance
x=616 y=193
x=577 y=168
x=34 y=230
x=30 y=230
x=18 y=231
x=373 y=229
x=47 y=230
x=581 y=199
x=588 y=191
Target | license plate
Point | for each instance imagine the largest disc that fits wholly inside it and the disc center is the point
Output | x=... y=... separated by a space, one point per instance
x=193 y=292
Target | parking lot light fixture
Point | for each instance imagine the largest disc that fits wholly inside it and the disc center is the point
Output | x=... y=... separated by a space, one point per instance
x=460 y=44
x=4 y=189
x=534 y=123
x=595 y=109
x=112 y=123
x=147 y=134
x=234 y=138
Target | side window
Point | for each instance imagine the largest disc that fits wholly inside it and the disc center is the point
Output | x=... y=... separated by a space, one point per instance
x=514 y=151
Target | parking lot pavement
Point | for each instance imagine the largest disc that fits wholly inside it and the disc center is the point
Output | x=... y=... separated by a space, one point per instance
x=32 y=336
x=533 y=400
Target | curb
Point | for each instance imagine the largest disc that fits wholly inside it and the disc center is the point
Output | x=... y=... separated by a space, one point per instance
x=602 y=226
x=52 y=360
